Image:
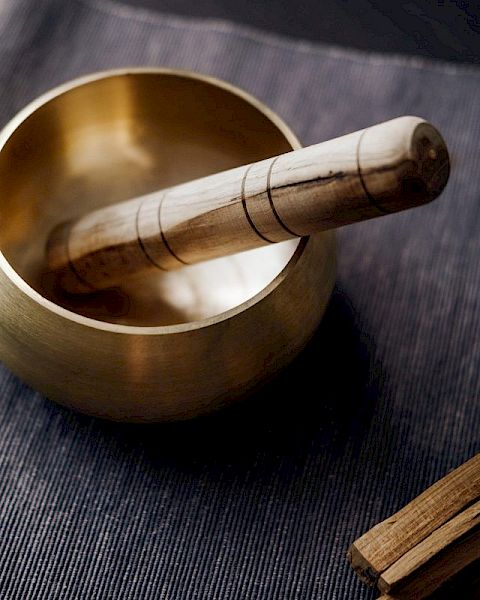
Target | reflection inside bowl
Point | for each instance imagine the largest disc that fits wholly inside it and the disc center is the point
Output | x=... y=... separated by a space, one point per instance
x=192 y=293
x=121 y=137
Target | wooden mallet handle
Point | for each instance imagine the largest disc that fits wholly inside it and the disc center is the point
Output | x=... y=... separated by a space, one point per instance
x=382 y=169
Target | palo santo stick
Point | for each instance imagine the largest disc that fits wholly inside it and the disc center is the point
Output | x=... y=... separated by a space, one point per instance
x=435 y=560
x=386 y=168
x=387 y=542
x=443 y=568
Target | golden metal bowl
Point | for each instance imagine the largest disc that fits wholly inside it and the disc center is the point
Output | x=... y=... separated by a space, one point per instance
x=168 y=346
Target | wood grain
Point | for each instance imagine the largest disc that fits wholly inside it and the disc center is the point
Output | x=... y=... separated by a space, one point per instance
x=382 y=169
x=440 y=556
x=378 y=549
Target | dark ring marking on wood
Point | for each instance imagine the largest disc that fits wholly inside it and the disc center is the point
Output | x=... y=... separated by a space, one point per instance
x=164 y=239
x=74 y=270
x=269 y=194
x=372 y=200
x=140 y=241
x=244 y=204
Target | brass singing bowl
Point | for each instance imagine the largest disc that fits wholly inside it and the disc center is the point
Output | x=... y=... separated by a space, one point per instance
x=166 y=346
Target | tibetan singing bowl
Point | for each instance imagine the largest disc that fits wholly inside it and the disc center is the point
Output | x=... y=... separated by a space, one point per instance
x=166 y=346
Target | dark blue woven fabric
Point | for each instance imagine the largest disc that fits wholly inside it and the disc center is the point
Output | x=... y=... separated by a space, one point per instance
x=259 y=502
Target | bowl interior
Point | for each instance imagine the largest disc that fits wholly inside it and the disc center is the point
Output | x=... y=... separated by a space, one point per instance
x=121 y=136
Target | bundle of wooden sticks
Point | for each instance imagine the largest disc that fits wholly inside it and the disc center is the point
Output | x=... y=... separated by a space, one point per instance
x=431 y=547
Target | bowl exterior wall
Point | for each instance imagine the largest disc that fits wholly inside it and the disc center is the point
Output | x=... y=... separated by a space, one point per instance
x=175 y=372
x=166 y=376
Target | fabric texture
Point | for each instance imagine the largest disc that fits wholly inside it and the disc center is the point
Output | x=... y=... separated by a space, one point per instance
x=261 y=501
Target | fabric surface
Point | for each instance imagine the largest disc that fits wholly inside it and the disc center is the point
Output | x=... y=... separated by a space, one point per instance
x=261 y=501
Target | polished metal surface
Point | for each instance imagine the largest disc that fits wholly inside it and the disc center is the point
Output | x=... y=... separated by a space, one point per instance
x=163 y=347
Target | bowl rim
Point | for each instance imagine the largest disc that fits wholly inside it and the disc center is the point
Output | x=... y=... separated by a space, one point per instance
x=20 y=117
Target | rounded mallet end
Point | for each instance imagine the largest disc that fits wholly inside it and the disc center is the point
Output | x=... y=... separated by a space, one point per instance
x=403 y=163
